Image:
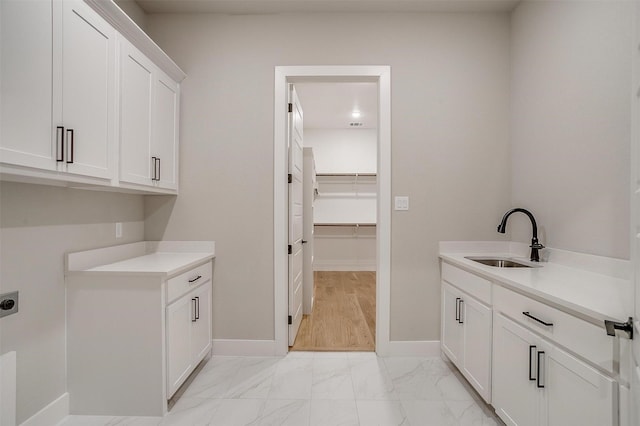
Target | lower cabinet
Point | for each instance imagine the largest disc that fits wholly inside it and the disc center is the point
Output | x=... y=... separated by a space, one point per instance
x=188 y=334
x=133 y=338
x=535 y=364
x=537 y=383
x=466 y=337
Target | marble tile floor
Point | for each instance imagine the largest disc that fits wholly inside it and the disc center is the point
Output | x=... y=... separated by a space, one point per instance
x=319 y=388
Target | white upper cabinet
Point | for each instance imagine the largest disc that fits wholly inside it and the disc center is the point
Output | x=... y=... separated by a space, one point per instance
x=136 y=100
x=165 y=131
x=26 y=34
x=57 y=88
x=88 y=90
x=149 y=102
x=87 y=97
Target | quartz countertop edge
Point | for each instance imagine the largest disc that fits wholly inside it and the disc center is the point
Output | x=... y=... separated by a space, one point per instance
x=591 y=296
x=166 y=265
x=162 y=259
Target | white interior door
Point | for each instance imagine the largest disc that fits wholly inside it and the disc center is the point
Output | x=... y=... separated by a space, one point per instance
x=634 y=406
x=295 y=214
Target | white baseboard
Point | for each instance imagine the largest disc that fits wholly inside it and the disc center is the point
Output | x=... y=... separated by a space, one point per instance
x=238 y=347
x=412 y=348
x=52 y=414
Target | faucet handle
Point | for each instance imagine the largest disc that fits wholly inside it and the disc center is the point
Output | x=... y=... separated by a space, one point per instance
x=536 y=245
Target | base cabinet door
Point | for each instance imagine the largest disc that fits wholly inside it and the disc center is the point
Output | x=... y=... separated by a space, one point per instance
x=201 y=327
x=451 y=325
x=477 y=321
x=179 y=317
x=188 y=334
x=515 y=392
x=576 y=393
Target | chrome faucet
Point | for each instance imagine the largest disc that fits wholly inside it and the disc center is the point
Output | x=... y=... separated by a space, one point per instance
x=535 y=245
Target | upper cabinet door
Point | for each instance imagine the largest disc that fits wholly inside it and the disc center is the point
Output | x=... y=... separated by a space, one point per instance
x=26 y=50
x=88 y=90
x=165 y=130
x=136 y=90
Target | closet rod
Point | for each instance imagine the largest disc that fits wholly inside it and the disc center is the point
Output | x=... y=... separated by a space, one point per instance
x=346 y=174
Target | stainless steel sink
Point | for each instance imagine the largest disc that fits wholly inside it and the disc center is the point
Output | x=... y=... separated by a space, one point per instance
x=501 y=262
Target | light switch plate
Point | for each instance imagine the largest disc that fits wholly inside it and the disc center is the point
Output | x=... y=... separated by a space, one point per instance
x=118 y=229
x=401 y=203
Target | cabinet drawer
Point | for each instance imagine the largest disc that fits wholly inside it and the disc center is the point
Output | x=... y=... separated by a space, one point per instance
x=468 y=282
x=583 y=338
x=177 y=286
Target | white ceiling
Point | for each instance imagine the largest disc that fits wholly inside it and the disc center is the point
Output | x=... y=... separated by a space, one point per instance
x=356 y=6
x=329 y=105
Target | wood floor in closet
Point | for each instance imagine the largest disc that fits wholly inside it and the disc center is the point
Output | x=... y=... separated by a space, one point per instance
x=343 y=316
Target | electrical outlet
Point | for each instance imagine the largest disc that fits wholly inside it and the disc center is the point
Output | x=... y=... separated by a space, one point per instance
x=118 y=229
x=402 y=203
x=8 y=303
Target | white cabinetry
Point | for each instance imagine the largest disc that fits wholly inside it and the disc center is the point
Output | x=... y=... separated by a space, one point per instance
x=68 y=115
x=536 y=380
x=26 y=68
x=136 y=100
x=136 y=328
x=86 y=80
x=166 y=131
x=466 y=326
x=188 y=325
x=58 y=88
x=149 y=102
x=537 y=383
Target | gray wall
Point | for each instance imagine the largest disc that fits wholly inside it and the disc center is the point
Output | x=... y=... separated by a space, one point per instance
x=571 y=123
x=38 y=225
x=450 y=152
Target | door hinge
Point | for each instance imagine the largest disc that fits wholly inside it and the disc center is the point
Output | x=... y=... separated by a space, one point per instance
x=289 y=249
x=290 y=109
x=289 y=178
x=290 y=320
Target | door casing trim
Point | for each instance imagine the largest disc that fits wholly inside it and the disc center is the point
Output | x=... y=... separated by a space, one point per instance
x=290 y=74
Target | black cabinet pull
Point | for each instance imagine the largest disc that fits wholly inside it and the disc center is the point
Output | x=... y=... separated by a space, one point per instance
x=531 y=361
x=193 y=280
x=69 y=146
x=159 y=173
x=193 y=310
x=461 y=320
x=153 y=168
x=527 y=314
x=458 y=309
x=540 y=385
x=197 y=307
x=59 y=144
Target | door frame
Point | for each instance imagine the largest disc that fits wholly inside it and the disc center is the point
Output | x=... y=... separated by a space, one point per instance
x=356 y=73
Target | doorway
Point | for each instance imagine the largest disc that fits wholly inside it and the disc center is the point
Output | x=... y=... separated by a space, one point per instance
x=340 y=190
x=380 y=75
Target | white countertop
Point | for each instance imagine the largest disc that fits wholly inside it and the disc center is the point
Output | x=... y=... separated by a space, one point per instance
x=575 y=287
x=164 y=259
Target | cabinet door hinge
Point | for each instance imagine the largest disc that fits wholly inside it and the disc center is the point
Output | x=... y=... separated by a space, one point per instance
x=290 y=320
x=290 y=109
x=289 y=249
x=289 y=178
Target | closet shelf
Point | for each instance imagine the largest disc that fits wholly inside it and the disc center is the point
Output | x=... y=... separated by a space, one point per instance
x=348 y=195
